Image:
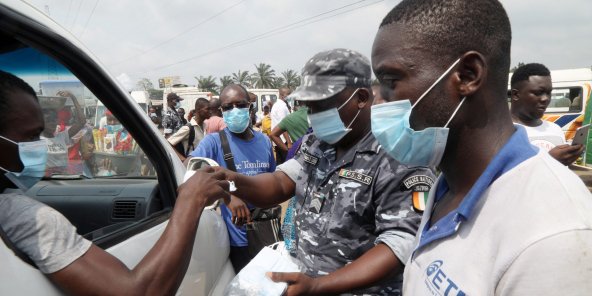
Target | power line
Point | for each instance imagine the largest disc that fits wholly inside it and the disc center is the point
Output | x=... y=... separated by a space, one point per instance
x=182 y=33
x=306 y=21
x=76 y=15
x=89 y=17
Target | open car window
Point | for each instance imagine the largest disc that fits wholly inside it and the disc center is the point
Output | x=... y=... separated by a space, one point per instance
x=84 y=139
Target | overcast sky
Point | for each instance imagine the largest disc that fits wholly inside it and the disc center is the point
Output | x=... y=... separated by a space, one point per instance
x=203 y=37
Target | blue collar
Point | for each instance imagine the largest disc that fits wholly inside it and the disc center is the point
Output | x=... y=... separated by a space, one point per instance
x=514 y=152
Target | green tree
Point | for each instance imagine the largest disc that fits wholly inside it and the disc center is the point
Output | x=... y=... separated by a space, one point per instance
x=291 y=79
x=225 y=81
x=278 y=82
x=207 y=83
x=520 y=64
x=242 y=77
x=145 y=84
x=264 y=76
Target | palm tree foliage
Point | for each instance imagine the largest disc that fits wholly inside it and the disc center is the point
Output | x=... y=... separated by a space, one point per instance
x=242 y=77
x=225 y=81
x=207 y=83
x=264 y=76
x=291 y=79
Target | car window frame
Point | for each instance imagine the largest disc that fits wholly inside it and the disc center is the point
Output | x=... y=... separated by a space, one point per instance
x=99 y=82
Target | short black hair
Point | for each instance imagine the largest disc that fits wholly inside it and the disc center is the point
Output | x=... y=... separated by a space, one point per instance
x=9 y=84
x=201 y=102
x=451 y=28
x=525 y=71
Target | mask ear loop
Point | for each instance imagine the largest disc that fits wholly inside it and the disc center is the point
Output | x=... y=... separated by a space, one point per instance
x=350 y=97
x=456 y=110
x=436 y=82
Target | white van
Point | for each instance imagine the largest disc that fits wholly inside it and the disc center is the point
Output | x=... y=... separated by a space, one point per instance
x=264 y=96
x=189 y=94
x=570 y=101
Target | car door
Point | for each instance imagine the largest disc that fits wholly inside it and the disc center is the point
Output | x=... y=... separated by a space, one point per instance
x=117 y=182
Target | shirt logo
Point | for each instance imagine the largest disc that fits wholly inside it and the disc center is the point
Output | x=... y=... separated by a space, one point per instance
x=310 y=159
x=438 y=283
x=358 y=177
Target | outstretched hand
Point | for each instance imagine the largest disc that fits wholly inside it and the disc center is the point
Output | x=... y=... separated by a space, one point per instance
x=298 y=283
x=206 y=185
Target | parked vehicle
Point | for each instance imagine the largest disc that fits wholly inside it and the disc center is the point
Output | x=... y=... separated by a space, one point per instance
x=264 y=96
x=570 y=105
x=190 y=94
x=125 y=203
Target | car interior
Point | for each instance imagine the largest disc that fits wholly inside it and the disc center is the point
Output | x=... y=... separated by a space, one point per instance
x=102 y=178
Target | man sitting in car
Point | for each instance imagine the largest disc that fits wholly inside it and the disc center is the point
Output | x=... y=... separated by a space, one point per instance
x=38 y=233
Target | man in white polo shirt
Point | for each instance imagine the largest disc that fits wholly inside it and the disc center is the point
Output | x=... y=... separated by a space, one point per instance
x=503 y=217
x=531 y=95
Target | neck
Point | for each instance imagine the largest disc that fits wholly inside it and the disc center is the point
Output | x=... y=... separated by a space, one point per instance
x=350 y=140
x=532 y=122
x=471 y=147
x=246 y=135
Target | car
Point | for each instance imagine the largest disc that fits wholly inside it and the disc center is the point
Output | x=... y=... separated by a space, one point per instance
x=118 y=184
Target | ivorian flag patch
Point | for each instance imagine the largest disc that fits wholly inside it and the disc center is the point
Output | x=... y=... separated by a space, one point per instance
x=419 y=201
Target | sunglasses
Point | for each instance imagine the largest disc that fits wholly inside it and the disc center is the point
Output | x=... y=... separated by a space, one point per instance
x=228 y=107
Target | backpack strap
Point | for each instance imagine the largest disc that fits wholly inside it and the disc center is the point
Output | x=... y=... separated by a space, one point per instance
x=228 y=157
x=190 y=146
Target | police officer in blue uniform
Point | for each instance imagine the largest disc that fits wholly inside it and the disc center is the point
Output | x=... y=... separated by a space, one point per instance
x=355 y=216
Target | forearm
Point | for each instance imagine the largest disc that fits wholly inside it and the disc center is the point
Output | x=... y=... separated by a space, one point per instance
x=163 y=268
x=372 y=267
x=263 y=190
x=278 y=141
x=159 y=273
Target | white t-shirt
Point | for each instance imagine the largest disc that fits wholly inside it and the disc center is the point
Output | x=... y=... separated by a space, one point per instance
x=278 y=112
x=529 y=232
x=39 y=231
x=545 y=136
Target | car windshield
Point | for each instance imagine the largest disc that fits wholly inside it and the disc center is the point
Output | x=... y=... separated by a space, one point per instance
x=85 y=140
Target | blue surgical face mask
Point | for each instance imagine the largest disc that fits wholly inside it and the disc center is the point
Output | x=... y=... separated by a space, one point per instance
x=33 y=155
x=178 y=105
x=327 y=125
x=237 y=119
x=390 y=126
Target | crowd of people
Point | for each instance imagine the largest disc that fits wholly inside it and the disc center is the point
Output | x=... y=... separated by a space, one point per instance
x=427 y=184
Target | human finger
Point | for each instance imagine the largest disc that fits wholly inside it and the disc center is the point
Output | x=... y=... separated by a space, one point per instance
x=287 y=277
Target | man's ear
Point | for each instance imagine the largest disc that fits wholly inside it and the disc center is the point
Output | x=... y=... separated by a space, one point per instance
x=364 y=95
x=514 y=94
x=471 y=73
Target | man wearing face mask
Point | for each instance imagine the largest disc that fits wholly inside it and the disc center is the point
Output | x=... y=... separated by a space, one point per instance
x=44 y=237
x=171 y=121
x=252 y=154
x=503 y=218
x=355 y=220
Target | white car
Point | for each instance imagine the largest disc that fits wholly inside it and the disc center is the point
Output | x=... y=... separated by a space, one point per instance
x=119 y=185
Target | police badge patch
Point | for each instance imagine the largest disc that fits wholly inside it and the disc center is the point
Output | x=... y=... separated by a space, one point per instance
x=355 y=176
x=420 y=186
x=310 y=159
x=316 y=203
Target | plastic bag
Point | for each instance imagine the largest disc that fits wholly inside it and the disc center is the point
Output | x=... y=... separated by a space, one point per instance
x=252 y=281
